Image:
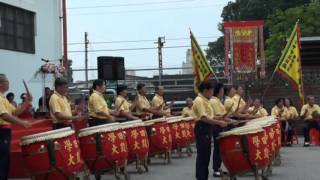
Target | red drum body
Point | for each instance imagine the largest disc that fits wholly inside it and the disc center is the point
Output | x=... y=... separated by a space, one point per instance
x=277 y=135
x=137 y=139
x=103 y=147
x=244 y=148
x=179 y=132
x=190 y=124
x=269 y=125
x=52 y=155
x=159 y=134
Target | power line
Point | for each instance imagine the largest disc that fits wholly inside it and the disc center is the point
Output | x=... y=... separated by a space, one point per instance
x=130 y=4
x=147 y=10
x=142 y=40
x=133 y=49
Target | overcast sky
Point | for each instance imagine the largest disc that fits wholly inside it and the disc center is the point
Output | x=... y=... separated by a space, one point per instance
x=131 y=20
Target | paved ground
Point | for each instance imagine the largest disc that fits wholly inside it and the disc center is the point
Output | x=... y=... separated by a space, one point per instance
x=298 y=163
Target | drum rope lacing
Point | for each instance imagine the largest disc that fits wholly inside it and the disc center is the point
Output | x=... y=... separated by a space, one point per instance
x=56 y=134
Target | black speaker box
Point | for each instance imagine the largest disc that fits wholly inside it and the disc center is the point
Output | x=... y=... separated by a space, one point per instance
x=111 y=68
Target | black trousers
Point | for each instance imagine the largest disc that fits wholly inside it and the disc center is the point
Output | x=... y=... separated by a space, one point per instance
x=216 y=158
x=307 y=126
x=203 y=133
x=5 y=142
x=60 y=125
x=97 y=122
x=287 y=128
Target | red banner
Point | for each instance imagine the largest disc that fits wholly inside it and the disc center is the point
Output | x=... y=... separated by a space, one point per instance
x=244 y=39
x=244 y=57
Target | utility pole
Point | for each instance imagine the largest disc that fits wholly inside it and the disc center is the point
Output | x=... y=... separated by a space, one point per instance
x=86 y=42
x=64 y=31
x=160 y=42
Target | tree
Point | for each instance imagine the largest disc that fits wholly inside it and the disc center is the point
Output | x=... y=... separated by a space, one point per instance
x=215 y=53
x=281 y=24
x=247 y=10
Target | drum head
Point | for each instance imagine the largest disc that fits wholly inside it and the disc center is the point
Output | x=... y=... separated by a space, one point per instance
x=49 y=135
x=99 y=129
x=248 y=129
x=132 y=124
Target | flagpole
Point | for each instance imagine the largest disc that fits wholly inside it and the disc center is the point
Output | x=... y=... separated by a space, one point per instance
x=275 y=70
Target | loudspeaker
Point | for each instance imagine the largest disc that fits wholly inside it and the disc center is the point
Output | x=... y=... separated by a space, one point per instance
x=111 y=68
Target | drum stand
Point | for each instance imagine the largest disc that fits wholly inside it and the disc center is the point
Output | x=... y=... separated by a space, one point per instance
x=143 y=162
x=167 y=156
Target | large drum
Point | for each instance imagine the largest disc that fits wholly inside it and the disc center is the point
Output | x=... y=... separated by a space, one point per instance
x=243 y=149
x=179 y=132
x=190 y=124
x=103 y=147
x=137 y=139
x=159 y=136
x=52 y=155
x=268 y=124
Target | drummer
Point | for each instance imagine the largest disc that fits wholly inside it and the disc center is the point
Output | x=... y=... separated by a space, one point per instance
x=143 y=105
x=204 y=115
x=257 y=111
x=309 y=122
x=240 y=105
x=282 y=114
x=8 y=115
x=219 y=113
x=59 y=105
x=122 y=105
x=99 y=113
x=229 y=104
x=159 y=102
x=292 y=117
x=187 y=111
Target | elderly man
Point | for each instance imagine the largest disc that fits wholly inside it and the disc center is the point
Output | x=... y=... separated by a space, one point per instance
x=306 y=114
x=60 y=108
x=8 y=115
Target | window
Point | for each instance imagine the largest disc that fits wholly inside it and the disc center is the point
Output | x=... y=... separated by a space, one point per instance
x=17 y=29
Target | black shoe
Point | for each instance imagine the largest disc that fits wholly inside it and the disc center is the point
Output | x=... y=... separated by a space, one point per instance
x=306 y=144
x=289 y=145
x=216 y=174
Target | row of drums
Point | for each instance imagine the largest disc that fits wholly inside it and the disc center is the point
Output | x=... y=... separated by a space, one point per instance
x=62 y=154
x=253 y=147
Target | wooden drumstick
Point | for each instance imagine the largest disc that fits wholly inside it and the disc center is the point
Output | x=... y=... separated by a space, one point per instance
x=26 y=88
x=120 y=105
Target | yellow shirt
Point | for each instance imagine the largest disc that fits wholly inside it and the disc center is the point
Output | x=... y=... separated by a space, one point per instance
x=159 y=101
x=201 y=107
x=236 y=99
x=282 y=113
x=229 y=105
x=310 y=109
x=187 y=112
x=142 y=103
x=122 y=104
x=59 y=104
x=261 y=112
x=217 y=106
x=97 y=104
x=293 y=113
x=5 y=108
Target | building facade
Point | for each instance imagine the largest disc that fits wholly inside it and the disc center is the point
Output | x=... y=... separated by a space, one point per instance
x=187 y=65
x=29 y=31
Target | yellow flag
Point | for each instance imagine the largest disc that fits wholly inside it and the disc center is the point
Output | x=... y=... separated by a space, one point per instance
x=201 y=68
x=289 y=64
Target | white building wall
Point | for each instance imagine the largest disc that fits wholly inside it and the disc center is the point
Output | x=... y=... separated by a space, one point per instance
x=187 y=63
x=48 y=43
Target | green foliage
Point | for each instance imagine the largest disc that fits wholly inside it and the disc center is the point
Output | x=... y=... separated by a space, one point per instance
x=248 y=10
x=281 y=24
x=215 y=52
